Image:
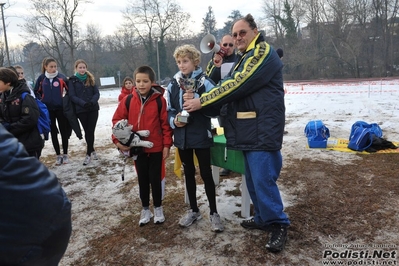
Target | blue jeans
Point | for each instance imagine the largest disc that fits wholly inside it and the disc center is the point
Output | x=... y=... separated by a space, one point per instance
x=262 y=169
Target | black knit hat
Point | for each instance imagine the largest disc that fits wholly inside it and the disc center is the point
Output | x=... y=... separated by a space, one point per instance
x=280 y=52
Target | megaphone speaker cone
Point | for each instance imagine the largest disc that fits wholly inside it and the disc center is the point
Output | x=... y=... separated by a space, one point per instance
x=208 y=44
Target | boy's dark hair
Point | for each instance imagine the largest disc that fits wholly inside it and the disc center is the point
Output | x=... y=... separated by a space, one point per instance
x=9 y=75
x=145 y=70
x=280 y=52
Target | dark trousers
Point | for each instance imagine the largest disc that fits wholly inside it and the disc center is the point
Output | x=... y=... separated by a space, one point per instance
x=204 y=161
x=36 y=153
x=89 y=122
x=57 y=116
x=149 y=173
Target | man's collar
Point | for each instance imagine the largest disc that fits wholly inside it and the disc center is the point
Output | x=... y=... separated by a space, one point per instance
x=252 y=44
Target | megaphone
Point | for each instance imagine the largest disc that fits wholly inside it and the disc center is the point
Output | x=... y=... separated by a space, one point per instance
x=208 y=44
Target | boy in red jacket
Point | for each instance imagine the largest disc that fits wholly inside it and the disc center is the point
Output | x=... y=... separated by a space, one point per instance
x=144 y=113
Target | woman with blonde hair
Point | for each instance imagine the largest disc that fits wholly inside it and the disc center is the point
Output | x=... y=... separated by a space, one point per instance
x=84 y=93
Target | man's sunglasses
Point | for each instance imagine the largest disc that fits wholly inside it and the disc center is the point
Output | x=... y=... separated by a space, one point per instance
x=242 y=34
x=229 y=44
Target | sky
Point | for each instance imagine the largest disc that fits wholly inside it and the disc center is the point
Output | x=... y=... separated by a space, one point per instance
x=108 y=17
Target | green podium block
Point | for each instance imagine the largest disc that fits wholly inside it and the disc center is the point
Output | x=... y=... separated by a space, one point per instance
x=226 y=158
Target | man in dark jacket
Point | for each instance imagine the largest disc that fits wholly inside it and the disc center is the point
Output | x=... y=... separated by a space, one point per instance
x=218 y=68
x=35 y=213
x=254 y=123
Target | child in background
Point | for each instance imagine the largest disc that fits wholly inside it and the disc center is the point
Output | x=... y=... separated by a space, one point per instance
x=21 y=77
x=19 y=116
x=50 y=86
x=144 y=113
x=84 y=94
x=126 y=88
x=194 y=136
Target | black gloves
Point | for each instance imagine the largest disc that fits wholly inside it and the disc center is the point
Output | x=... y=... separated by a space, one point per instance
x=88 y=105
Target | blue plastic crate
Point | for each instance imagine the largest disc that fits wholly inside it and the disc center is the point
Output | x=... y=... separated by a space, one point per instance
x=317 y=144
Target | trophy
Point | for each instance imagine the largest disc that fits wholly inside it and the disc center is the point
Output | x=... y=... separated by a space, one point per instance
x=186 y=84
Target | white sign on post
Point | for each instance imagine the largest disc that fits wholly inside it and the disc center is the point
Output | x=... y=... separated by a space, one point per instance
x=107 y=81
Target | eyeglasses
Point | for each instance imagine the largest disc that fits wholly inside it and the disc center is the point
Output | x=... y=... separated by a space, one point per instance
x=242 y=34
x=229 y=44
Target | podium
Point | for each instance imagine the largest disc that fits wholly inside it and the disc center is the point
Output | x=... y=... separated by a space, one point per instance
x=234 y=161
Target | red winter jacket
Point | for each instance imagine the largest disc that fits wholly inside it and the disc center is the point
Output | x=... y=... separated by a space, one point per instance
x=145 y=116
x=124 y=92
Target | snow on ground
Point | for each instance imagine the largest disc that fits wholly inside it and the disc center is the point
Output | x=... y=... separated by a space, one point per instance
x=338 y=105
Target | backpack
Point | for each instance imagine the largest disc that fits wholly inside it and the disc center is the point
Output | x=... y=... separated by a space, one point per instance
x=362 y=135
x=44 y=122
x=138 y=150
x=317 y=134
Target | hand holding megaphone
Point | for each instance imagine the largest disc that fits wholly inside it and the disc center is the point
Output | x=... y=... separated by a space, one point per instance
x=208 y=44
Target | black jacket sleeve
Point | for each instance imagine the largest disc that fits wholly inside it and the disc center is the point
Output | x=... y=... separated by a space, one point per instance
x=31 y=199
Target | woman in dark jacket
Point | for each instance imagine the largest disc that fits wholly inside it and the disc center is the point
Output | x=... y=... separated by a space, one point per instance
x=35 y=213
x=19 y=115
x=85 y=95
x=50 y=87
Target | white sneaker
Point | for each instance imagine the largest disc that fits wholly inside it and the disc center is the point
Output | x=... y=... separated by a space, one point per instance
x=94 y=155
x=59 y=160
x=65 y=159
x=216 y=224
x=159 y=217
x=145 y=217
x=87 y=160
x=189 y=218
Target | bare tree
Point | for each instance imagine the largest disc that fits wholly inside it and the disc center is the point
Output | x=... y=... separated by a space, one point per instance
x=53 y=24
x=152 y=21
x=209 y=23
x=384 y=23
x=234 y=15
x=91 y=49
x=273 y=10
x=124 y=42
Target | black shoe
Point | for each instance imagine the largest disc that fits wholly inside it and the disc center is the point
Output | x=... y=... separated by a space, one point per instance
x=224 y=172
x=250 y=224
x=277 y=237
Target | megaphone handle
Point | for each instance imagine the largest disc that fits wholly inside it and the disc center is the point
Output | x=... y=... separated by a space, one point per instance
x=222 y=52
x=217 y=59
